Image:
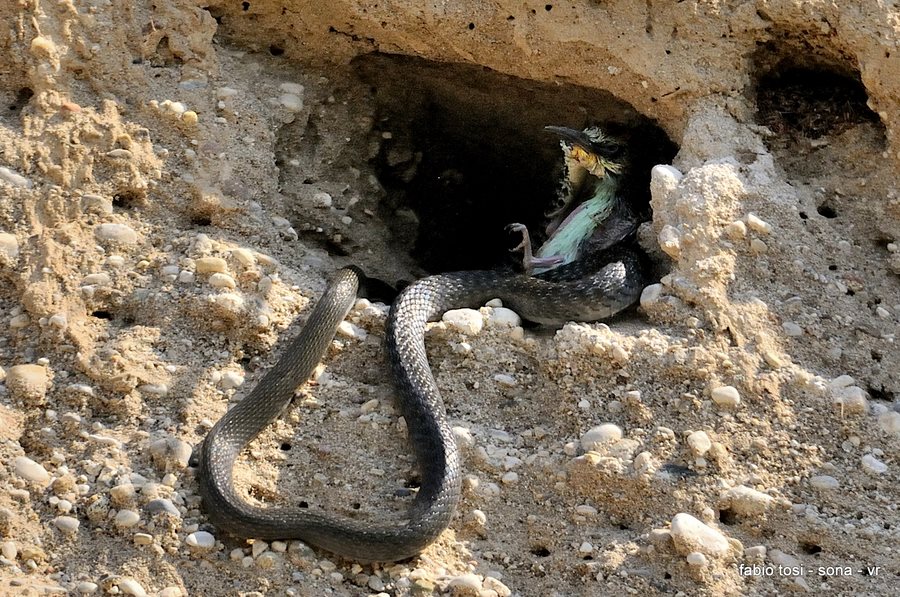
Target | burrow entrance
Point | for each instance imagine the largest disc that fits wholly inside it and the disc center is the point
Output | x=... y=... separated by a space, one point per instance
x=806 y=91
x=464 y=153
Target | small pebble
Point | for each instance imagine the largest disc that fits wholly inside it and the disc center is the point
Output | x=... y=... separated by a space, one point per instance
x=736 y=230
x=210 y=265
x=231 y=379
x=28 y=382
x=747 y=501
x=872 y=465
x=200 y=540
x=505 y=380
x=726 y=396
x=220 y=280
x=465 y=584
x=321 y=200
x=650 y=295
x=129 y=586
x=66 y=524
x=690 y=535
x=14 y=178
x=503 y=317
x=699 y=443
x=116 y=233
x=127 y=518
x=9 y=550
x=585 y=548
x=510 y=478
x=824 y=482
x=9 y=248
x=758 y=225
x=602 y=434
x=87 y=587
x=696 y=559
x=467 y=321
x=792 y=329
x=30 y=470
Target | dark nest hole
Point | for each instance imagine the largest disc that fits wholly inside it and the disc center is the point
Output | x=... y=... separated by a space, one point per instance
x=467 y=154
x=802 y=93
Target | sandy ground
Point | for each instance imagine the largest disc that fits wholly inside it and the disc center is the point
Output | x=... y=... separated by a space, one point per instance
x=175 y=191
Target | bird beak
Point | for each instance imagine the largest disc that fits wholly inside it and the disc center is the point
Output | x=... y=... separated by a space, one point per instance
x=573 y=136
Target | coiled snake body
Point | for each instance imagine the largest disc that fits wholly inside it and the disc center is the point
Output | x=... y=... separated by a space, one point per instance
x=593 y=288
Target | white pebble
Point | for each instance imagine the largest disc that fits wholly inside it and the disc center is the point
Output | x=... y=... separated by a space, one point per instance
x=726 y=396
x=321 y=199
x=292 y=102
x=127 y=518
x=210 y=265
x=220 y=280
x=505 y=380
x=117 y=233
x=30 y=470
x=467 y=321
x=348 y=330
x=14 y=178
x=650 y=295
x=231 y=379
x=585 y=548
x=872 y=465
x=792 y=329
x=66 y=524
x=9 y=247
x=890 y=422
x=510 y=478
x=670 y=241
x=9 y=550
x=465 y=584
x=129 y=586
x=503 y=317
x=758 y=225
x=602 y=434
x=696 y=559
x=699 y=443
x=87 y=587
x=748 y=501
x=824 y=482
x=690 y=535
x=200 y=540
x=736 y=230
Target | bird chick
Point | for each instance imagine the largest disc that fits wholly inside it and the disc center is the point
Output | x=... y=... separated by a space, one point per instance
x=592 y=217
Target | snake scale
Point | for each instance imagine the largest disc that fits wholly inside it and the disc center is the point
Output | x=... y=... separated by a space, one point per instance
x=590 y=289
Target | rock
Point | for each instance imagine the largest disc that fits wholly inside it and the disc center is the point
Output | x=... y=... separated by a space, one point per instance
x=465 y=585
x=129 y=586
x=650 y=295
x=171 y=452
x=726 y=396
x=13 y=178
x=699 y=443
x=602 y=434
x=467 y=321
x=9 y=249
x=690 y=535
x=747 y=501
x=210 y=265
x=201 y=540
x=163 y=505
x=28 y=383
x=872 y=465
x=697 y=559
x=824 y=482
x=890 y=422
x=503 y=317
x=127 y=518
x=66 y=524
x=758 y=225
x=116 y=233
x=30 y=470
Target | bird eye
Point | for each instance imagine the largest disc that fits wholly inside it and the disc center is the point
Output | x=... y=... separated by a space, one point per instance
x=609 y=150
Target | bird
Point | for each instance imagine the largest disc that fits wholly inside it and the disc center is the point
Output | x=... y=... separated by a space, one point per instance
x=594 y=215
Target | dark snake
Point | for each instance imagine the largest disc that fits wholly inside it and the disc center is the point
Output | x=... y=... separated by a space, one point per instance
x=593 y=288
